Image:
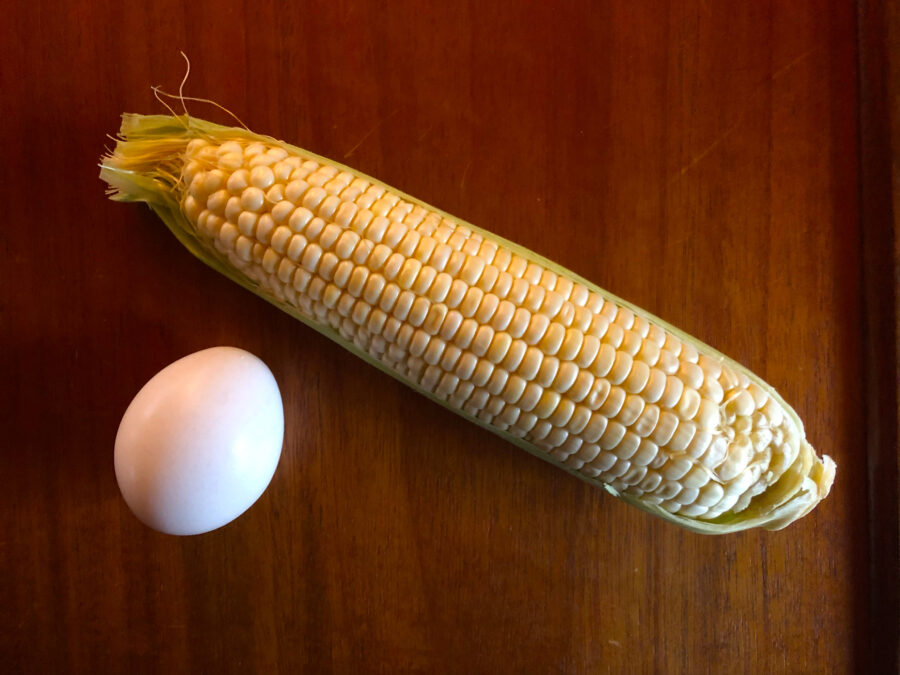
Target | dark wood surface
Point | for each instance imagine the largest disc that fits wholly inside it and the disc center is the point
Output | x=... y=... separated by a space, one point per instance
x=879 y=37
x=701 y=159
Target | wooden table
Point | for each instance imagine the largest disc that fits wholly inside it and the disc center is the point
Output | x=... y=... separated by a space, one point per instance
x=726 y=165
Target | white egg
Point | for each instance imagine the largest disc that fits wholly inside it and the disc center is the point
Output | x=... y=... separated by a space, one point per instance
x=200 y=442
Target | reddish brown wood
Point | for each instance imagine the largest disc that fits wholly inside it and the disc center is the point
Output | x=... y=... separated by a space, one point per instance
x=879 y=36
x=698 y=158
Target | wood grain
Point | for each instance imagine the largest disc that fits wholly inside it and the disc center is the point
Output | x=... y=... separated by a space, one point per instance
x=701 y=159
x=879 y=31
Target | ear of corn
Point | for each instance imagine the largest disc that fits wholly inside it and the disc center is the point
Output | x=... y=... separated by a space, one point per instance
x=500 y=335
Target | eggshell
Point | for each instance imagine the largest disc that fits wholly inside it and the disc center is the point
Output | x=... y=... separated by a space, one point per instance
x=200 y=442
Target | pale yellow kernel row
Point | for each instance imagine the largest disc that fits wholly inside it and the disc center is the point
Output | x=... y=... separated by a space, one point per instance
x=598 y=389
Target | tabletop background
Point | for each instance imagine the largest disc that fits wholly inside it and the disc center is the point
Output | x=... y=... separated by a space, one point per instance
x=725 y=165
